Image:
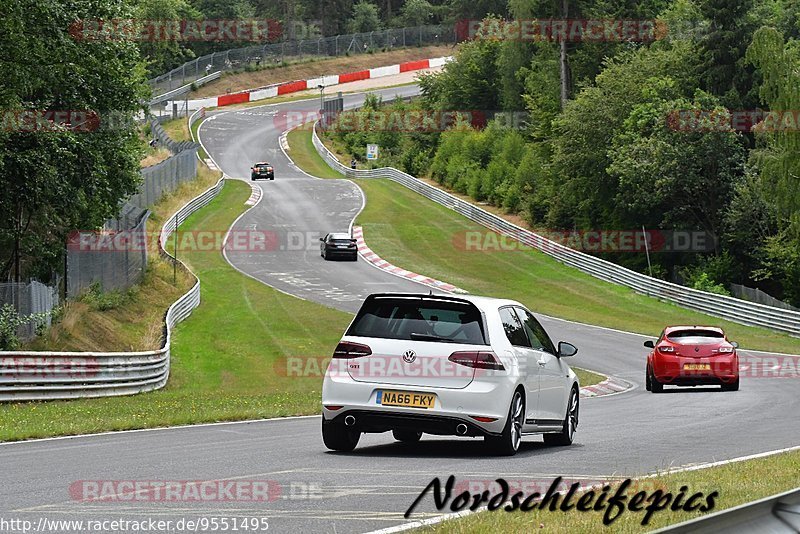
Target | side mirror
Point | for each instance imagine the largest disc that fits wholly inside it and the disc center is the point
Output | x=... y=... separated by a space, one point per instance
x=735 y=344
x=649 y=344
x=565 y=350
x=322 y=239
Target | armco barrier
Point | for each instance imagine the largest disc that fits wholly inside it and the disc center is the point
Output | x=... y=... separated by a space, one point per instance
x=729 y=308
x=26 y=376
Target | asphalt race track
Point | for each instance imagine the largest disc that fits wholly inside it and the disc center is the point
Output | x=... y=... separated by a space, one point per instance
x=628 y=434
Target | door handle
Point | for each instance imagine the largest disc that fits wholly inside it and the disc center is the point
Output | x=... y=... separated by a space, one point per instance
x=542 y=363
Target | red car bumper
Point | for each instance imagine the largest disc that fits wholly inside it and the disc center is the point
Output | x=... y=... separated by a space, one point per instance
x=682 y=371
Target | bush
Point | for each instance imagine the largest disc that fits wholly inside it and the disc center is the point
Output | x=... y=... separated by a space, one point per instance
x=100 y=300
x=701 y=281
x=10 y=321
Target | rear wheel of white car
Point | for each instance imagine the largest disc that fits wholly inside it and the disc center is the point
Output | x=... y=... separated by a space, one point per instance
x=338 y=437
x=407 y=436
x=567 y=433
x=507 y=444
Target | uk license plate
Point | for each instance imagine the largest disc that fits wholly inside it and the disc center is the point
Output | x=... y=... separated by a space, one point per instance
x=696 y=366
x=406 y=399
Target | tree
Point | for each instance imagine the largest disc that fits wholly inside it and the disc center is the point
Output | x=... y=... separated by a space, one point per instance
x=466 y=84
x=416 y=13
x=673 y=178
x=365 y=18
x=777 y=156
x=164 y=55
x=725 y=72
x=584 y=131
x=64 y=178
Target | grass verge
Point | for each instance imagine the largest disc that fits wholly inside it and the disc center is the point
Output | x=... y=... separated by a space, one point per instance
x=407 y=229
x=302 y=151
x=764 y=476
x=177 y=129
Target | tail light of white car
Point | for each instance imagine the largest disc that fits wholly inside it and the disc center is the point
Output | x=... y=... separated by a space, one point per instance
x=348 y=349
x=477 y=360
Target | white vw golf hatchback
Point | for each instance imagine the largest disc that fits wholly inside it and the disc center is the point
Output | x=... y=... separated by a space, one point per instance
x=463 y=366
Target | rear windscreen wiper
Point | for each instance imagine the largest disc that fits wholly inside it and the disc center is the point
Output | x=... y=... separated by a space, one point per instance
x=430 y=337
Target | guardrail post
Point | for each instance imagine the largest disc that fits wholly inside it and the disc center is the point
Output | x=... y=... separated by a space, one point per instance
x=404 y=37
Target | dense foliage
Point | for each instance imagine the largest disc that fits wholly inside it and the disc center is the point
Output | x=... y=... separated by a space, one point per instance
x=72 y=164
x=649 y=136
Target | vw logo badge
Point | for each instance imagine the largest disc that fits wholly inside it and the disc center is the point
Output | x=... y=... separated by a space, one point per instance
x=409 y=356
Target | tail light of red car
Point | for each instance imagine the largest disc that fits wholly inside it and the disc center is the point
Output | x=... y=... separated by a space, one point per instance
x=725 y=350
x=477 y=360
x=667 y=349
x=348 y=349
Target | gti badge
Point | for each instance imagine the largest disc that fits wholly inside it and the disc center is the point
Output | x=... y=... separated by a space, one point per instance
x=409 y=356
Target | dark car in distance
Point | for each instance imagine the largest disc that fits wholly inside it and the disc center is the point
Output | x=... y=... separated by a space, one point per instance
x=262 y=171
x=338 y=245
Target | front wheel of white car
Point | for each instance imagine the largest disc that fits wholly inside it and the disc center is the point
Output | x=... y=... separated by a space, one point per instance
x=507 y=443
x=338 y=437
x=567 y=433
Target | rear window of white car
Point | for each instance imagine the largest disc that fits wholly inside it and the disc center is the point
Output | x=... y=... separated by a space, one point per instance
x=419 y=319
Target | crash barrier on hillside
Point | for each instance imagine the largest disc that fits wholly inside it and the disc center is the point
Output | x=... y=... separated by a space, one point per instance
x=30 y=298
x=357 y=43
x=26 y=376
x=729 y=308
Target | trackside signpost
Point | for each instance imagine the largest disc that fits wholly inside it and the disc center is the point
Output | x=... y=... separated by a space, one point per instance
x=372 y=152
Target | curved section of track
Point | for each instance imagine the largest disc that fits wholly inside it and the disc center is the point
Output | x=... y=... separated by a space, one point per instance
x=295 y=209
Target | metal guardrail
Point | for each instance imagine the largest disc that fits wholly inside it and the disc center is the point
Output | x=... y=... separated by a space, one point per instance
x=186 y=88
x=778 y=514
x=729 y=308
x=26 y=376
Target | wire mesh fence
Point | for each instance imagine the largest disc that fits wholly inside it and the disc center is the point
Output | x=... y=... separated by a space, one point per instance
x=116 y=257
x=261 y=55
x=113 y=260
x=28 y=299
x=756 y=295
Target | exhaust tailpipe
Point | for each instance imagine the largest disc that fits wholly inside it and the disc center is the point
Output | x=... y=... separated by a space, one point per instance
x=461 y=429
x=349 y=420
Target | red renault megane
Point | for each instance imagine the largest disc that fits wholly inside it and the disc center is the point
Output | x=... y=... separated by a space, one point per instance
x=692 y=356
